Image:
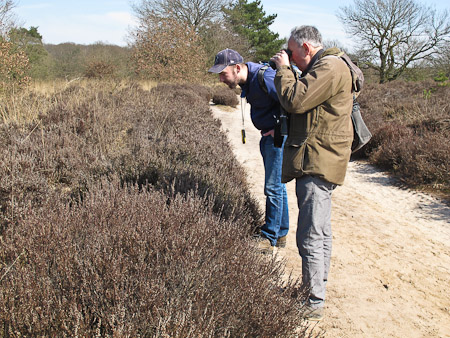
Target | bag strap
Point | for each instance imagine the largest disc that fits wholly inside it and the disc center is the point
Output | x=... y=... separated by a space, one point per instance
x=357 y=74
x=355 y=71
x=261 y=81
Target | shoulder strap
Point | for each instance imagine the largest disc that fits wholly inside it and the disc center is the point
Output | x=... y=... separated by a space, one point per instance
x=357 y=74
x=261 y=81
x=355 y=71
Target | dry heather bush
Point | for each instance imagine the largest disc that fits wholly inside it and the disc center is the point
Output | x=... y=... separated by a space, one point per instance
x=176 y=90
x=128 y=263
x=411 y=127
x=65 y=150
x=225 y=96
x=160 y=251
x=165 y=137
x=181 y=149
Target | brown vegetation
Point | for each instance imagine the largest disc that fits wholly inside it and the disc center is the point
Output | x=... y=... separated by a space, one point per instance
x=70 y=61
x=410 y=122
x=99 y=70
x=124 y=213
x=168 y=50
x=13 y=67
x=225 y=96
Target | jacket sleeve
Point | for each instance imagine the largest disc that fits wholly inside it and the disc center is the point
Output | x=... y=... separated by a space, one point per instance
x=303 y=94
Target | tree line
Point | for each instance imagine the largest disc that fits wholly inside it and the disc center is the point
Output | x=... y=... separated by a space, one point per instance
x=178 y=39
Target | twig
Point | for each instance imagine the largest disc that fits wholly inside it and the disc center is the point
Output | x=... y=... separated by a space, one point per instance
x=70 y=81
x=31 y=132
x=10 y=267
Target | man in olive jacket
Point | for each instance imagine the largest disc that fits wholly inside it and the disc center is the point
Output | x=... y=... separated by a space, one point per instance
x=318 y=147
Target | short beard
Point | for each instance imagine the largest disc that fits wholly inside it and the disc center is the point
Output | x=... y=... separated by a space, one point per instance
x=232 y=85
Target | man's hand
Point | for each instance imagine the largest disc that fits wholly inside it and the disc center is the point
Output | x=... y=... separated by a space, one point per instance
x=280 y=59
x=270 y=132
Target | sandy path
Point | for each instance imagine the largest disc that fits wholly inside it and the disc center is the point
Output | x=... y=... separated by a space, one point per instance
x=390 y=268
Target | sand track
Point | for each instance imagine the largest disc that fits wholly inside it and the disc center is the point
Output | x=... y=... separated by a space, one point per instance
x=390 y=268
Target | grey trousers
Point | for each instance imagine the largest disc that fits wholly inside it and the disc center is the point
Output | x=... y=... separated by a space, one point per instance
x=314 y=234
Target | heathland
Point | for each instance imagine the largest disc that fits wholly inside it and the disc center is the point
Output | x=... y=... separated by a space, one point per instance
x=124 y=211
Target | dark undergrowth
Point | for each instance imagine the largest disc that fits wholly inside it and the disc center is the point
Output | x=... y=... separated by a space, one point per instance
x=225 y=96
x=410 y=123
x=125 y=214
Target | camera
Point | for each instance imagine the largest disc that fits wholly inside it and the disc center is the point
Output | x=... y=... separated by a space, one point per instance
x=281 y=128
x=284 y=122
x=288 y=52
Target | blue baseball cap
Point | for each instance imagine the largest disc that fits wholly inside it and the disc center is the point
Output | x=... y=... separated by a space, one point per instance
x=225 y=58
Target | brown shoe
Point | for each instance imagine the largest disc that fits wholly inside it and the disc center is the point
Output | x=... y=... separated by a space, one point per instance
x=281 y=242
x=263 y=245
x=313 y=314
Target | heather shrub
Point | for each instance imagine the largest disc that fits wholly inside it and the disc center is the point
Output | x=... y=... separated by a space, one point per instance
x=124 y=213
x=128 y=263
x=63 y=149
x=411 y=128
x=186 y=90
x=164 y=137
x=225 y=96
x=181 y=149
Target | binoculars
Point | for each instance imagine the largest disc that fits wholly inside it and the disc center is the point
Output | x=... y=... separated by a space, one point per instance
x=288 y=52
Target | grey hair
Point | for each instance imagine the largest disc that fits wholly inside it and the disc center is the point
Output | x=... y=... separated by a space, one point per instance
x=310 y=34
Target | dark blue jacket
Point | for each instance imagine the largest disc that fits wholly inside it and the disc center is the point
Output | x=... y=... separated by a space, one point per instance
x=264 y=107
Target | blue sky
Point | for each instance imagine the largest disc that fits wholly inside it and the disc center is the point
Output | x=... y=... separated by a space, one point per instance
x=89 y=21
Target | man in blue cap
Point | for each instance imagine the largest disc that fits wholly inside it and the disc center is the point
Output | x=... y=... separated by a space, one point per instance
x=265 y=110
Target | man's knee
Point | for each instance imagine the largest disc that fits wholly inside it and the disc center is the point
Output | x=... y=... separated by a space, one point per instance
x=309 y=246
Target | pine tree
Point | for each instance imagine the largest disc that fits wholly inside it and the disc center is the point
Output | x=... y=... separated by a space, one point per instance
x=249 y=20
x=30 y=41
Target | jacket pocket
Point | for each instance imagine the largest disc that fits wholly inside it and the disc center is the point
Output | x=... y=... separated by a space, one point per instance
x=293 y=161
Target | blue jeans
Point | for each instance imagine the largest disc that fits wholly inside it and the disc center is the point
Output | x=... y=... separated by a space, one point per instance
x=314 y=234
x=277 y=213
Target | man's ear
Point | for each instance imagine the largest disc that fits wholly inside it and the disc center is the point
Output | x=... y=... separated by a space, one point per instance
x=307 y=48
x=238 y=68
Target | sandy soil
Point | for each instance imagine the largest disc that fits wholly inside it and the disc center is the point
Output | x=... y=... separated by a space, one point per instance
x=390 y=268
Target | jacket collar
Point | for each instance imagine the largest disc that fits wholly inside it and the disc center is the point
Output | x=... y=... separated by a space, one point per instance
x=313 y=61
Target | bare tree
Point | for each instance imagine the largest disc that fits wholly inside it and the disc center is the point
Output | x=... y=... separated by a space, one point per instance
x=394 y=34
x=334 y=43
x=442 y=62
x=6 y=16
x=195 y=13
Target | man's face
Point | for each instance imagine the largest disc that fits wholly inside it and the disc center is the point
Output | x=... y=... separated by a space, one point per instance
x=300 y=56
x=229 y=76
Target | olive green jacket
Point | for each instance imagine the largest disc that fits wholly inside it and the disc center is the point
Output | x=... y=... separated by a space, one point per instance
x=320 y=127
